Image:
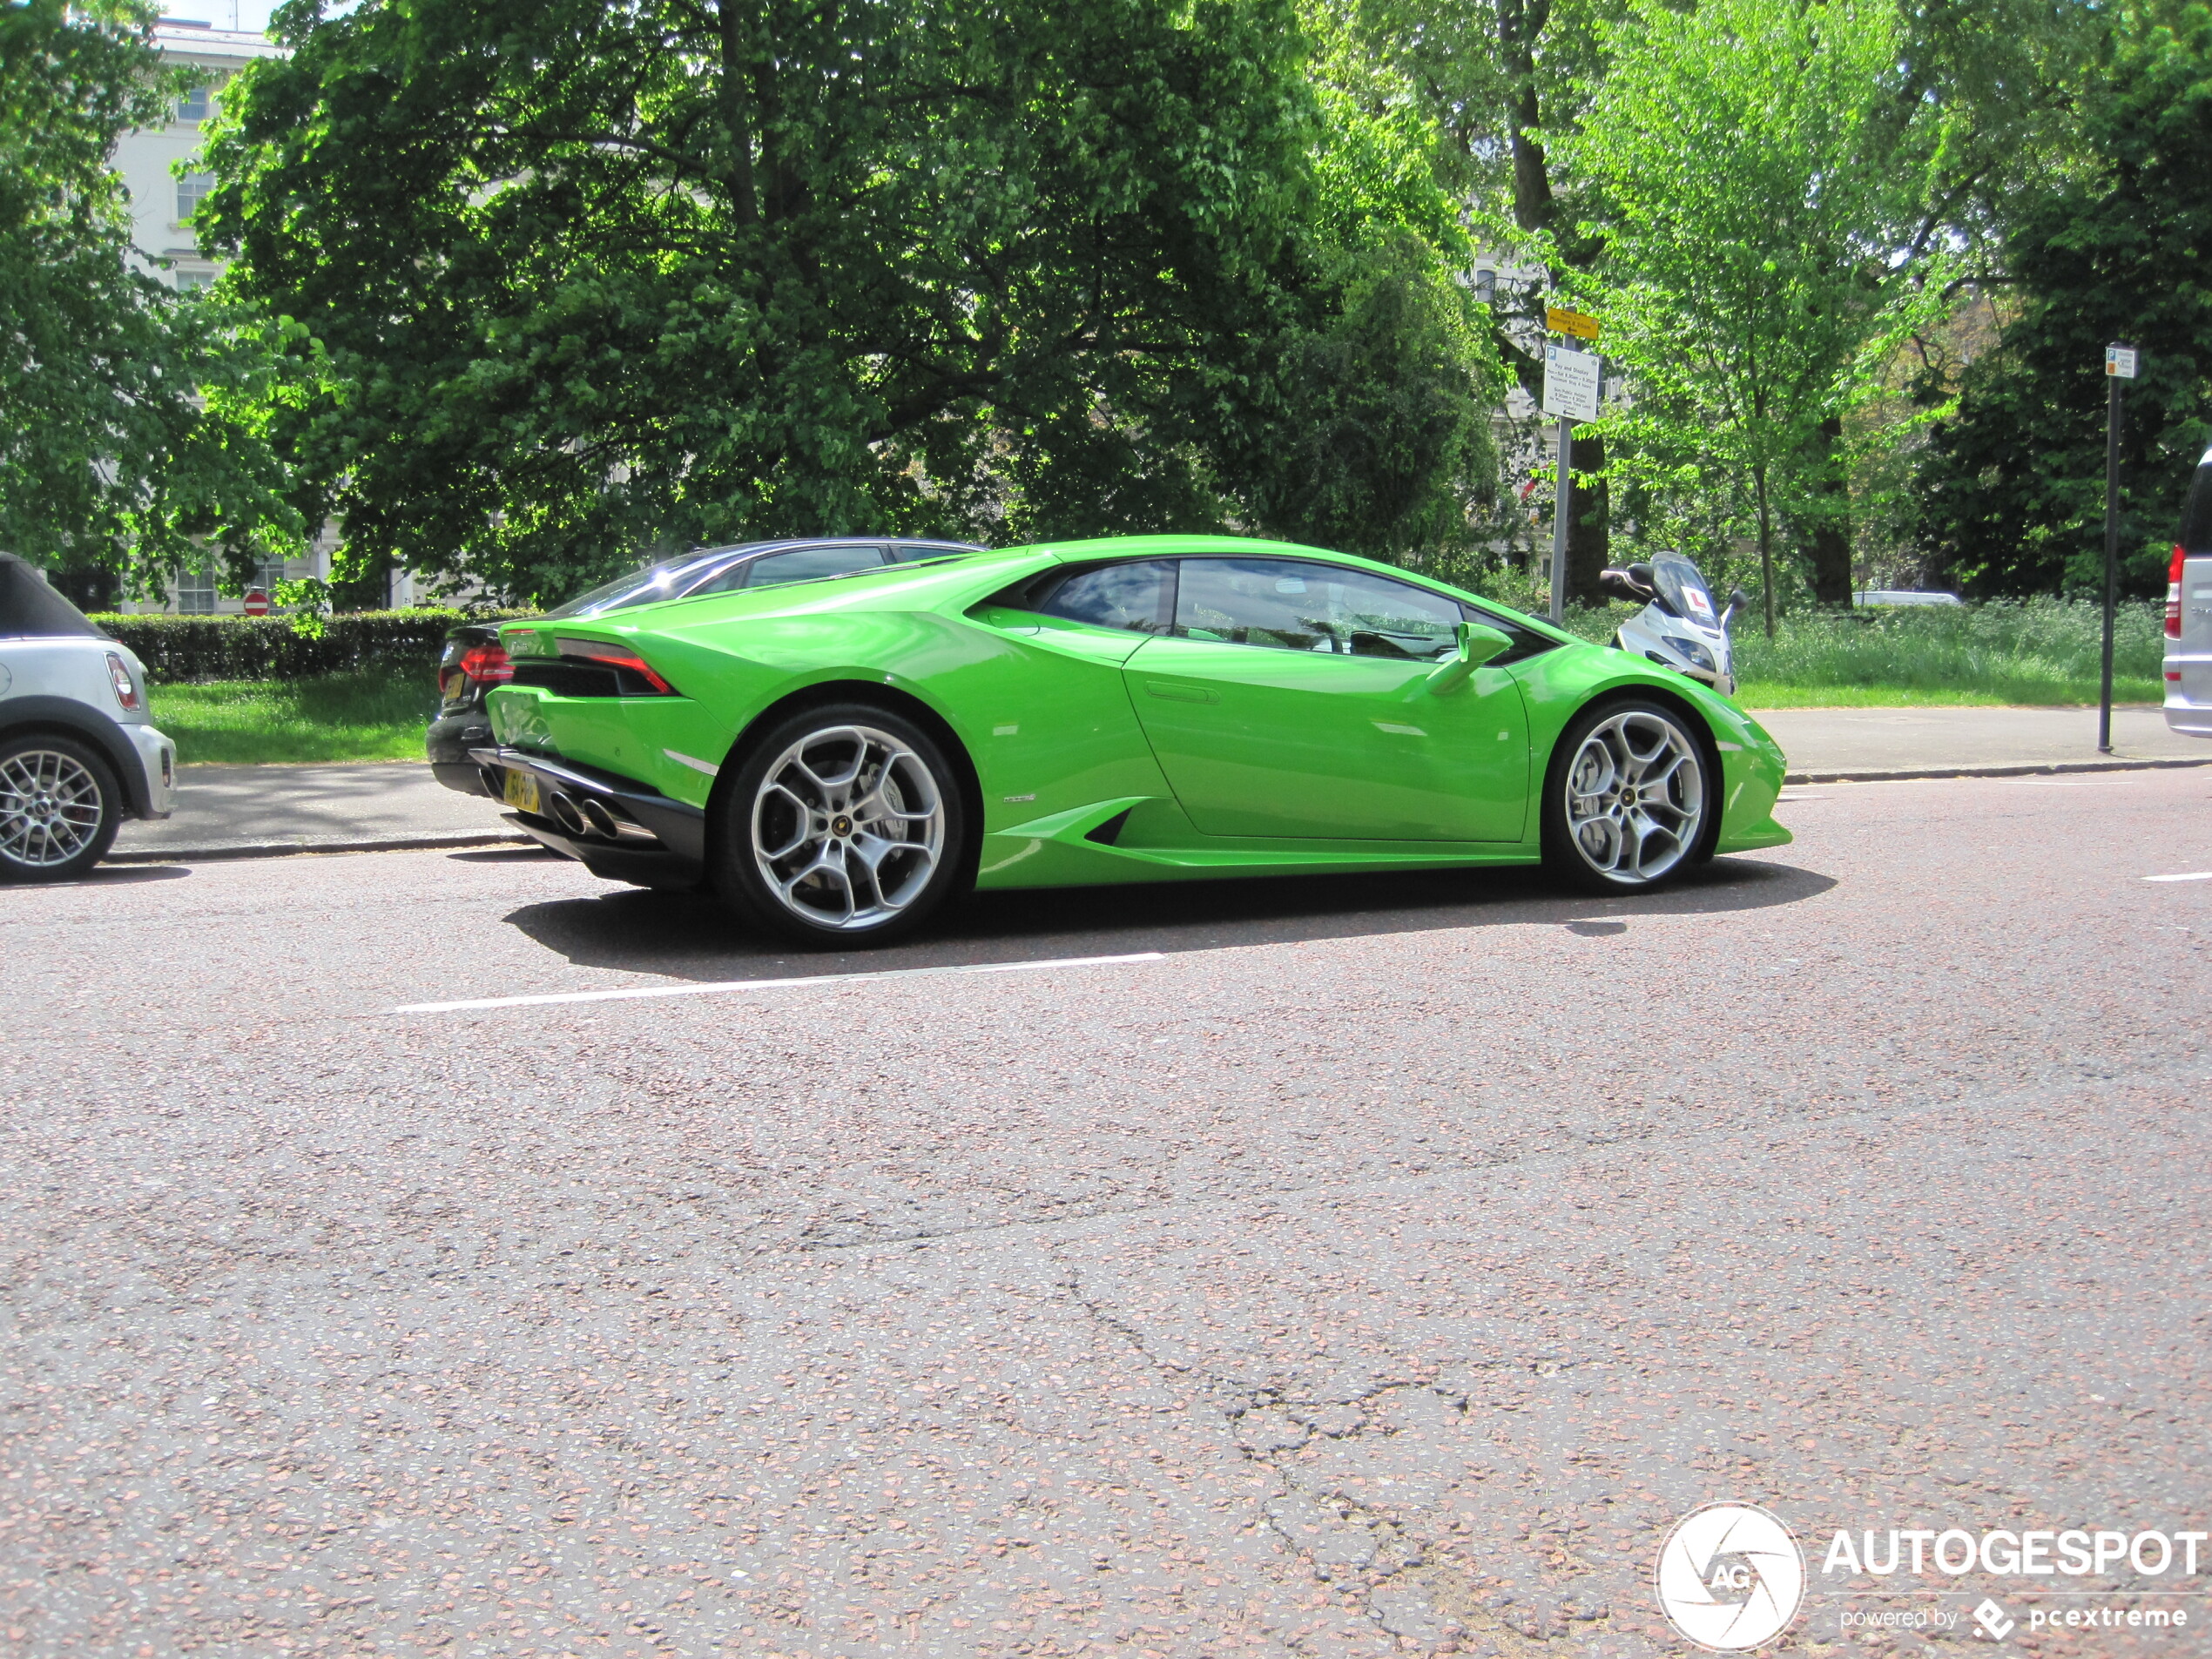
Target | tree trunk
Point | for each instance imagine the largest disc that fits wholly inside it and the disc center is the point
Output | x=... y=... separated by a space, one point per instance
x=1589 y=530
x=1832 y=583
x=1766 y=546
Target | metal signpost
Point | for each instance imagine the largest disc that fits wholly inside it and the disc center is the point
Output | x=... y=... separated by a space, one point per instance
x=1570 y=395
x=2120 y=365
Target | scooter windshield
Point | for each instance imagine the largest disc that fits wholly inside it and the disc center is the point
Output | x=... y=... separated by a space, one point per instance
x=1683 y=586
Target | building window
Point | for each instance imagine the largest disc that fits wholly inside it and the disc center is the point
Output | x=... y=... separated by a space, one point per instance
x=194 y=281
x=196 y=591
x=266 y=574
x=194 y=105
x=190 y=189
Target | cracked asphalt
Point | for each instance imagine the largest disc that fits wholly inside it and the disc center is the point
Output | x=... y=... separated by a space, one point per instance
x=1382 y=1268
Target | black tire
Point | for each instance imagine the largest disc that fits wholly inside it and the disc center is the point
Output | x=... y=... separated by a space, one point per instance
x=60 y=806
x=887 y=864
x=1653 y=838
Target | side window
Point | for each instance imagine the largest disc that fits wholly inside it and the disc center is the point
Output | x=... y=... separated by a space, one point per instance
x=1137 y=597
x=909 y=553
x=808 y=563
x=1526 y=642
x=1376 y=617
x=1288 y=604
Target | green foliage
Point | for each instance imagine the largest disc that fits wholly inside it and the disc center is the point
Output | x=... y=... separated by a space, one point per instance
x=1386 y=434
x=2119 y=249
x=369 y=714
x=1755 y=192
x=121 y=435
x=308 y=601
x=583 y=283
x=179 y=648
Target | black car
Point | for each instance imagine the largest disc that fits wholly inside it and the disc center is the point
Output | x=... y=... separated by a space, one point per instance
x=473 y=662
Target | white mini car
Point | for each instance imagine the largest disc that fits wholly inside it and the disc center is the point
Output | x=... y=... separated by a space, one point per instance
x=77 y=754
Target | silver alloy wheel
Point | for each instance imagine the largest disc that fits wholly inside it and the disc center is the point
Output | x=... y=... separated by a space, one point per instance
x=1636 y=798
x=50 y=807
x=848 y=827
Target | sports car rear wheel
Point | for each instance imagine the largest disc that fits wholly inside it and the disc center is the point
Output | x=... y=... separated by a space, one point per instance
x=1627 y=804
x=844 y=826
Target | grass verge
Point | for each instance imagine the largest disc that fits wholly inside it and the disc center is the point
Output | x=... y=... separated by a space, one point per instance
x=1765 y=694
x=373 y=714
x=2003 y=652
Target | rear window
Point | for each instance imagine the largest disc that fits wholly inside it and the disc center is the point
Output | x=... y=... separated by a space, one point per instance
x=2197 y=517
x=30 y=609
x=647 y=587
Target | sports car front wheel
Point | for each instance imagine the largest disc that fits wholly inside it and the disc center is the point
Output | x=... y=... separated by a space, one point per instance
x=1627 y=802
x=844 y=826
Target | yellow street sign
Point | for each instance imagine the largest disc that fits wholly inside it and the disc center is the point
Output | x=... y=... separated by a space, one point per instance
x=1570 y=322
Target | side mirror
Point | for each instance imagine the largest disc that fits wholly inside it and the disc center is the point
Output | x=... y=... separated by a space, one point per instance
x=1478 y=645
x=1620 y=585
x=1737 y=601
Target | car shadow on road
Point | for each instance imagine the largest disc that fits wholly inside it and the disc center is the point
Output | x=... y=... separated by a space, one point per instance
x=682 y=936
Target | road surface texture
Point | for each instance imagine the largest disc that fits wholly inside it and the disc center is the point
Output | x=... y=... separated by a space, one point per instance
x=1384 y=1266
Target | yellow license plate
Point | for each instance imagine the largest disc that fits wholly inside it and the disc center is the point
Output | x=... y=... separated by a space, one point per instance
x=521 y=790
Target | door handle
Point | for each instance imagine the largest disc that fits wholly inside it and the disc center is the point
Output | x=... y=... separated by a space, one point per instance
x=1178 y=692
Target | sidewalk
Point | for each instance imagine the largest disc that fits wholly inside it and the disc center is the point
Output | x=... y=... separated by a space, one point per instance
x=250 y=812
x=1828 y=746
x=254 y=812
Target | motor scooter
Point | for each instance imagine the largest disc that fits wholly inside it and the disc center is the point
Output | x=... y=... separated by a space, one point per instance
x=1679 y=627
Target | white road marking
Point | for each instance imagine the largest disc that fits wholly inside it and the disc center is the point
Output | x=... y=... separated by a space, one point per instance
x=2193 y=875
x=723 y=986
x=2074 y=783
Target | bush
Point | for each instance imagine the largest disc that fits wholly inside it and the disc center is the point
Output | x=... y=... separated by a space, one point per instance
x=180 y=649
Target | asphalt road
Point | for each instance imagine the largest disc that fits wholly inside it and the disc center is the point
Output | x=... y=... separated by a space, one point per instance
x=1382 y=1266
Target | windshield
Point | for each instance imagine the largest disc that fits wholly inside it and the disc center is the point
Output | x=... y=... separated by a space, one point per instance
x=1683 y=586
x=30 y=609
x=650 y=586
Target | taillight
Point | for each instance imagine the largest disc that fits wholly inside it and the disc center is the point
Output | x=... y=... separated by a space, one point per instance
x=2174 y=596
x=615 y=656
x=489 y=664
x=126 y=690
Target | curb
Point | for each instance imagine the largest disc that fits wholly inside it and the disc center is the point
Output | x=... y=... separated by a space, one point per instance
x=288 y=849
x=1876 y=775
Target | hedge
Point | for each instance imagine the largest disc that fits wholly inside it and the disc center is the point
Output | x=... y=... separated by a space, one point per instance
x=271 y=648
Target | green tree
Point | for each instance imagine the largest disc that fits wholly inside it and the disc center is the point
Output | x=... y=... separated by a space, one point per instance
x=1978 y=103
x=2116 y=249
x=586 y=282
x=1755 y=200
x=1499 y=81
x=122 y=441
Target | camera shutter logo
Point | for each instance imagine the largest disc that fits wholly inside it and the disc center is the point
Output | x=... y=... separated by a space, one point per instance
x=1731 y=1577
